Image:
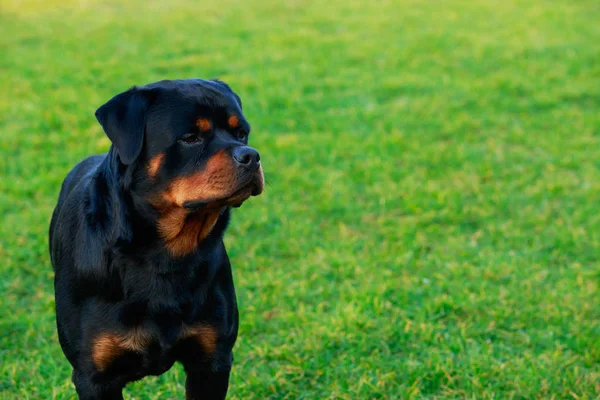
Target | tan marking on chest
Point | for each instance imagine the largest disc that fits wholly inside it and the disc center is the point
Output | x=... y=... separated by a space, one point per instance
x=183 y=231
x=106 y=347
x=154 y=164
x=205 y=335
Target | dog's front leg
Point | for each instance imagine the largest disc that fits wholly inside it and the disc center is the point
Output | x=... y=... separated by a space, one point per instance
x=87 y=389
x=206 y=383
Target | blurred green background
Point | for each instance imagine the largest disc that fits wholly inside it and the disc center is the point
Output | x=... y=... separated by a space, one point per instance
x=431 y=229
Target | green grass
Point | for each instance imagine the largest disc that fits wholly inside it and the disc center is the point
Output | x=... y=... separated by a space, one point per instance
x=432 y=224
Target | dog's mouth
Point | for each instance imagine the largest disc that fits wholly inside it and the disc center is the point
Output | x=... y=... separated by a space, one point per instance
x=252 y=187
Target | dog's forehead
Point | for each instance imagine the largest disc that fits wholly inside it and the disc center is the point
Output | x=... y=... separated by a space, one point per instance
x=197 y=92
x=180 y=105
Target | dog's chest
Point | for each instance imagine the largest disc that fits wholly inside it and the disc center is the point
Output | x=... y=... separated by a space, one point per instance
x=162 y=315
x=154 y=342
x=160 y=279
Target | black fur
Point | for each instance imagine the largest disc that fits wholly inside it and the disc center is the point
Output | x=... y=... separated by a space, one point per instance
x=114 y=274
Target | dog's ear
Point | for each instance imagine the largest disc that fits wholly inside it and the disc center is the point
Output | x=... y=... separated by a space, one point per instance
x=123 y=118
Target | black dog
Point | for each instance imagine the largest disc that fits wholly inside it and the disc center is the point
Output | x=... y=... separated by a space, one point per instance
x=142 y=278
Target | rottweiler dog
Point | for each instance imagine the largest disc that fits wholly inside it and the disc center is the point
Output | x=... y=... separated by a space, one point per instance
x=142 y=277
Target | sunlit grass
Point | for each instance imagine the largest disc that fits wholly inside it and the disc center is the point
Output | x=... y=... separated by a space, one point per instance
x=431 y=228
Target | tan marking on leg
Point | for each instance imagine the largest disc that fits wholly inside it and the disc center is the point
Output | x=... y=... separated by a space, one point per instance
x=105 y=349
x=108 y=346
x=205 y=335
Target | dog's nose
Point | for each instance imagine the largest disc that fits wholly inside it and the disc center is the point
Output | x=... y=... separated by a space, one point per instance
x=246 y=156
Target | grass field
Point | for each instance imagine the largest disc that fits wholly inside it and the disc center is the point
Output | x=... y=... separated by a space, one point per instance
x=432 y=225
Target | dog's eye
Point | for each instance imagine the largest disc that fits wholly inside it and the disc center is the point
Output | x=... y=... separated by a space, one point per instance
x=242 y=135
x=191 y=138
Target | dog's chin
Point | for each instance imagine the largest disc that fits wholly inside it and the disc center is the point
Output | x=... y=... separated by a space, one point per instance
x=236 y=199
x=239 y=197
x=252 y=188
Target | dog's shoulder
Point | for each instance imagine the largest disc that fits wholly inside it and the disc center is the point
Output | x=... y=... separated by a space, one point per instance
x=69 y=229
x=75 y=184
x=81 y=173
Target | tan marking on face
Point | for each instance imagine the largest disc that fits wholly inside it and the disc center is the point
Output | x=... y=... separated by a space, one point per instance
x=108 y=346
x=254 y=188
x=259 y=181
x=182 y=229
x=203 y=124
x=205 y=335
x=233 y=121
x=217 y=180
x=154 y=164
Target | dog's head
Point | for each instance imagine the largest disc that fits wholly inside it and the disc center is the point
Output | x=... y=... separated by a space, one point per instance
x=186 y=142
x=192 y=137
